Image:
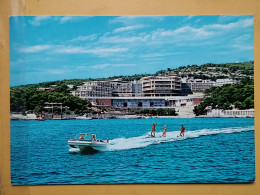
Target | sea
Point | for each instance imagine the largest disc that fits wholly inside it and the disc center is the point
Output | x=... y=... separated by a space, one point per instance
x=213 y=150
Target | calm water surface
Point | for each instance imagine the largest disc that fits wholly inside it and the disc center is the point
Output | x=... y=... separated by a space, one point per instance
x=212 y=151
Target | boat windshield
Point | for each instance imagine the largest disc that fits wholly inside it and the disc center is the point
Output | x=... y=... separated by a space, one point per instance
x=83 y=136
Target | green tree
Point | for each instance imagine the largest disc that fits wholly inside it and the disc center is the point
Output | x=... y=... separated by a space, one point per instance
x=63 y=88
x=240 y=95
x=23 y=99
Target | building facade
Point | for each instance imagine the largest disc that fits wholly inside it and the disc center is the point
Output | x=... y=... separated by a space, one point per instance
x=189 y=100
x=158 y=86
x=200 y=85
x=221 y=82
x=146 y=102
x=115 y=88
x=94 y=89
x=186 y=88
x=121 y=88
x=139 y=102
x=231 y=113
x=137 y=88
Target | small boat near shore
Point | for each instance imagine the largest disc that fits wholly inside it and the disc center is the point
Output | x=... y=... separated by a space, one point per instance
x=87 y=141
x=41 y=119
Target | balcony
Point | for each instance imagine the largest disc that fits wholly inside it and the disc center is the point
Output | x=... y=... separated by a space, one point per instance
x=146 y=84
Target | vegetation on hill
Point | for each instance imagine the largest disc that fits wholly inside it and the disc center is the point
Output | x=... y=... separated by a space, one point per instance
x=205 y=71
x=240 y=96
x=213 y=71
x=77 y=82
x=30 y=99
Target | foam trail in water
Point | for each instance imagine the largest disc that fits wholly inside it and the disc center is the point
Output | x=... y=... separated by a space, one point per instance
x=145 y=140
x=74 y=150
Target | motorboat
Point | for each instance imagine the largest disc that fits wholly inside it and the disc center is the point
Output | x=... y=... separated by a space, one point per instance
x=87 y=141
x=40 y=119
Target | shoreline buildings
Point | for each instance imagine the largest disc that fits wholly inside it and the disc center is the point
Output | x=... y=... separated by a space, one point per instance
x=148 y=92
x=231 y=113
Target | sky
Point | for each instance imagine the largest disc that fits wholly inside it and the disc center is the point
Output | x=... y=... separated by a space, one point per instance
x=50 y=48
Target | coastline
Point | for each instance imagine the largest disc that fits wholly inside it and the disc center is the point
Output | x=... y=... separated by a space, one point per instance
x=121 y=116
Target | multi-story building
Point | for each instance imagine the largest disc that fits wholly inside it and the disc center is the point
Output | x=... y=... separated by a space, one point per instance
x=94 y=89
x=149 y=92
x=115 y=88
x=121 y=88
x=199 y=85
x=137 y=88
x=221 y=82
x=156 y=86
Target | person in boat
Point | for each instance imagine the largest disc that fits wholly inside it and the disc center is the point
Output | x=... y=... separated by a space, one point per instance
x=93 y=138
x=81 y=136
x=182 y=131
x=164 y=131
x=153 y=129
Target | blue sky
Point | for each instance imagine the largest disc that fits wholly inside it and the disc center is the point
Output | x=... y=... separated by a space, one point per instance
x=50 y=48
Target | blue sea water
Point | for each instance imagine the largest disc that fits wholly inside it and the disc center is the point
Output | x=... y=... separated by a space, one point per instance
x=212 y=151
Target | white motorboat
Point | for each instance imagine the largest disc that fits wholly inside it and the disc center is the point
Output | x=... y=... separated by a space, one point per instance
x=87 y=141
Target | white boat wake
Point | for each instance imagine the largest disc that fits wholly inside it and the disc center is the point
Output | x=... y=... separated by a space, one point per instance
x=145 y=140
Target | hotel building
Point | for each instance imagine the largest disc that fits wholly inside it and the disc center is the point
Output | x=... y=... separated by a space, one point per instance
x=93 y=89
x=121 y=88
x=158 y=86
x=149 y=92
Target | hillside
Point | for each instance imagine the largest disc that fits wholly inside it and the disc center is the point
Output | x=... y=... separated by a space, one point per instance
x=212 y=71
x=206 y=71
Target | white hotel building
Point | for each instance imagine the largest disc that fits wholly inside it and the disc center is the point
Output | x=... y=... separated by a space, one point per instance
x=149 y=92
x=200 y=85
x=93 y=89
x=157 y=86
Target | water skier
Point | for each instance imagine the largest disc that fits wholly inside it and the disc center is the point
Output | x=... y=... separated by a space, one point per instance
x=164 y=131
x=182 y=131
x=153 y=129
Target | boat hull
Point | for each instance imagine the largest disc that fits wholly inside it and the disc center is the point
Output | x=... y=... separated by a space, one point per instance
x=88 y=145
